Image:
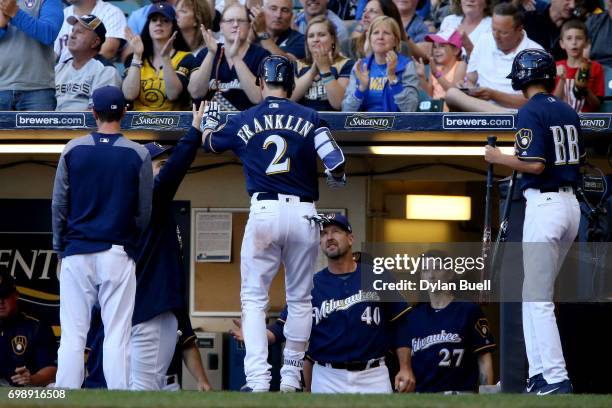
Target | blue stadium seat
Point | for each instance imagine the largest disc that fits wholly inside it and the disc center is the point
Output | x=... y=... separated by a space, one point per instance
x=606 y=106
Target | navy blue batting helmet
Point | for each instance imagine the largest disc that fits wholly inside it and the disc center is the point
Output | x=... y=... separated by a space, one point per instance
x=533 y=65
x=277 y=70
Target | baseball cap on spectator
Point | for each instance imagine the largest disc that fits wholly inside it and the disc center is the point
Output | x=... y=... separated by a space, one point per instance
x=108 y=99
x=163 y=8
x=7 y=285
x=339 y=220
x=447 y=37
x=156 y=149
x=90 y=22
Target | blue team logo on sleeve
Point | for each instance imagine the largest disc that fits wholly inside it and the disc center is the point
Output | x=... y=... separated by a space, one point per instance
x=523 y=138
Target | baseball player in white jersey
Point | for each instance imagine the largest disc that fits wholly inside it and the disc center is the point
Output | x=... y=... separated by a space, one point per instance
x=79 y=76
x=113 y=18
x=278 y=142
x=549 y=152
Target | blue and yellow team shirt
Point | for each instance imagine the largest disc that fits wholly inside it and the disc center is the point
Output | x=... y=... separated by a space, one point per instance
x=152 y=96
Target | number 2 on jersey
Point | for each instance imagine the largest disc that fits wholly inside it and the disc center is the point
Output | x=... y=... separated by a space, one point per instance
x=276 y=166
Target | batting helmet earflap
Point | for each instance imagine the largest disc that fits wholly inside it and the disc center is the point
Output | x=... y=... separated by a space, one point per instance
x=277 y=70
x=533 y=65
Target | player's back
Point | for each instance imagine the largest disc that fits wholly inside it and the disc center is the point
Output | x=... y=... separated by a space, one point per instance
x=105 y=175
x=278 y=151
x=549 y=131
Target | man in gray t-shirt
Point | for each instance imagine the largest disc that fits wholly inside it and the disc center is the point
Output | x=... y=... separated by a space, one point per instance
x=27 y=31
x=85 y=71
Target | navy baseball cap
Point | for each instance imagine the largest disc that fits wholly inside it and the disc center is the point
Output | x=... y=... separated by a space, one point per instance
x=339 y=220
x=163 y=8
x=7 y=285
x=108 y=99
x=90 y=22
x=156 y=149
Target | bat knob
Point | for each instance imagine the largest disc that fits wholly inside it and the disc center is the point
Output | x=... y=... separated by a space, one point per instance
x=491 y=140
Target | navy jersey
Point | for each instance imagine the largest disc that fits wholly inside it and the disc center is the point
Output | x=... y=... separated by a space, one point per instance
x=25 y=341
x=349 y=324
x=225 y=80
x=275 y=142
x=159 y=266
x=292 y=41
x=102 y=195
x=445 y=345
x=549 y=132
x=316 y=96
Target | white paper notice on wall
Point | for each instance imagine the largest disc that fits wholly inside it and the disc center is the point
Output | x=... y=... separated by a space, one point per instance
x=213 y=231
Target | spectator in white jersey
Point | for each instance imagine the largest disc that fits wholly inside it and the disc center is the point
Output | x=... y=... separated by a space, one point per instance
x=487 y=88
x=112 y=17
x=84 y=72
x=27 y=32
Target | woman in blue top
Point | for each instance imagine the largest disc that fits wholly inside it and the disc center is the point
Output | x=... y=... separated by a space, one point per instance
x=385 y=81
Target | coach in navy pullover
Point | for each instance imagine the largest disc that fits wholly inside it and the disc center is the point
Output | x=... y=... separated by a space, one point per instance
x=159 y=268
x=102 y=191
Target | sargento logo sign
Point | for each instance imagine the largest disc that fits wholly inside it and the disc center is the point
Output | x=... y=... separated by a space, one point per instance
x=158 y=121
x=595 y=123
x=478 y=122
x=369 y=122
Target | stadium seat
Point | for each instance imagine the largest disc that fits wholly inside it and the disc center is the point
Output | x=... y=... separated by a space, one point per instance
x=606 y=106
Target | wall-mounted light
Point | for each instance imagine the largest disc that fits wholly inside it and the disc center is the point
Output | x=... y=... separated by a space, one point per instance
x=31 y=148
x=429 y=207
x=434 y=150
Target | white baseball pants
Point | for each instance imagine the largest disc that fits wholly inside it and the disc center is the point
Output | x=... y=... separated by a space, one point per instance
x=277 y=232
x=328 y=380
x=153 y=344
x=550 y=227
x=109 y=278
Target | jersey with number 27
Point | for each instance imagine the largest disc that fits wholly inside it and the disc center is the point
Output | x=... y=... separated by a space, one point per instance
x=275 y=142
x=549 y=132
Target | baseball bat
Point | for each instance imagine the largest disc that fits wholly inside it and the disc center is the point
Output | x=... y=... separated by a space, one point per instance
x=502 y=234
x=486 y=234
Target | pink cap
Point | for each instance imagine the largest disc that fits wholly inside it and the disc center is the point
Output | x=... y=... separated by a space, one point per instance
x=448 y=37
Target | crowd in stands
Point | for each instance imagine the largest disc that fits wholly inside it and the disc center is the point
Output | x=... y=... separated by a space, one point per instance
x=350 y=55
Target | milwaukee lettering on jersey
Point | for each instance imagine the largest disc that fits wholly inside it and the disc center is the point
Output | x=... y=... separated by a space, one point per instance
x=330 y=306
x=433 y=339
x=275 y=122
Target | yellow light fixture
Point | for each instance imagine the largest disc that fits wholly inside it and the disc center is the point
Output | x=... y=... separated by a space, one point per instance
x=434 y=150
x=438 y=207
x=31 y=148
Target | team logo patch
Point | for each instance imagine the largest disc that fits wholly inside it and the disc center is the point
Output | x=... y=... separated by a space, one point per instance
x=523 y=138
x=29 y=3
x=482 y=327
x=19 y=344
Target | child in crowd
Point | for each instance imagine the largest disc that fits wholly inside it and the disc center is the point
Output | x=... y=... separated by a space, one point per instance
x=446 y=66
x=580 y=81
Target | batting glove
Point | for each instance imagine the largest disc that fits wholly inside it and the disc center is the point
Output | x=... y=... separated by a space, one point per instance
x=211 y=118
x=333 y=181
x=319 y=219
